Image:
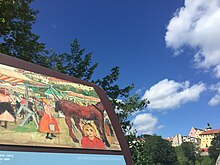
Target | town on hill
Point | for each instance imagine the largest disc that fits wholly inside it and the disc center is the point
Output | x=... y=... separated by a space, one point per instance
x=202 y=138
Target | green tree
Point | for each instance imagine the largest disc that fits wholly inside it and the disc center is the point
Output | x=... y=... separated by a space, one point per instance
x=207 y=161
x=186 y=153
x=158 y=151
x=181 y=159
x=214 y=149
x=16 y=36
x=199 y=157
x=137 y=148
x=189 y=150
x=77 y=63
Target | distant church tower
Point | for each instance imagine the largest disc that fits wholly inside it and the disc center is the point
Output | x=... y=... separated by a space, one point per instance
x=208 y=127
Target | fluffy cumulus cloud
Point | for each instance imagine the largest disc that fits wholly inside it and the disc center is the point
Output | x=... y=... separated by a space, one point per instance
x=215 y=100
x=197 y=24
x=168 y=94
x=146 y=123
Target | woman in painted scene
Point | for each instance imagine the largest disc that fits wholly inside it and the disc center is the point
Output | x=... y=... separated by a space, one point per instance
x=7 y=113
x=48 y=123
x=90 y=140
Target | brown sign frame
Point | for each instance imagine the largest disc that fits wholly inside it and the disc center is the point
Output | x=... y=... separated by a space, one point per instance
x=18 y=63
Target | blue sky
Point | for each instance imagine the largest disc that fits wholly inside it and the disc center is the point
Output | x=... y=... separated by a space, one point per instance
x=168 y=49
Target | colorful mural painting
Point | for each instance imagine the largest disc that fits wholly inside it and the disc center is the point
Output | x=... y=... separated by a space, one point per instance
x=37 y=110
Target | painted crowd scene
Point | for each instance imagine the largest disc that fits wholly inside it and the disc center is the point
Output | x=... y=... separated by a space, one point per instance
x=37 y=110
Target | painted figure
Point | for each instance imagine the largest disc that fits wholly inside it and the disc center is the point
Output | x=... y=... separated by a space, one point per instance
x=23 y=101
x=90 y=140
x=7 y=113
x=48 y=123
x=108 y=128
x=6 y=98
x=77 y=112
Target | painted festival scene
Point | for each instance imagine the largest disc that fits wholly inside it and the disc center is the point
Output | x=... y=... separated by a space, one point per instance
x=37 y=110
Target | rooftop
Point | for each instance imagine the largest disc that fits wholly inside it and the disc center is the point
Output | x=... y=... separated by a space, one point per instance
x=212 y=131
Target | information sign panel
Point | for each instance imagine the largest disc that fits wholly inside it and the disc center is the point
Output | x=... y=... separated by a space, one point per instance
x=42 y=110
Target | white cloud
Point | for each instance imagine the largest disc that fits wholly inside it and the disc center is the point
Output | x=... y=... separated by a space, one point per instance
x=215 y=100
x=168 y=94
x=116 y=108
x=146 y=124
x=197 y=25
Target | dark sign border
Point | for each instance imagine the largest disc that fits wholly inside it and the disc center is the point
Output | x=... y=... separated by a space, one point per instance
x=18 y=63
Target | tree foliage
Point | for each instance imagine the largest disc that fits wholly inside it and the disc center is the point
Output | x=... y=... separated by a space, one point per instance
x=76 y=63
x=214 y=149
x=17 y=38
x=207 y=161
x=160 y=150
x=187 y=154
x=189 y=150
x=152 y=150
x=137 y=148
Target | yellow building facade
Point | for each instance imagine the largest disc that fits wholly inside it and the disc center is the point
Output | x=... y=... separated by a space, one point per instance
x=206 y=138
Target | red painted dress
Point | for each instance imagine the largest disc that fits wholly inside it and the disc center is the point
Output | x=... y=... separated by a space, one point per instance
x=95 y=143
x=48 y=123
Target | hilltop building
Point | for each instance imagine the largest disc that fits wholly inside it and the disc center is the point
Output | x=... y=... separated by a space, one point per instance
x=177 y=140
x=206 y=138
x=195 y=132
x=202 y=138
x=191 y=139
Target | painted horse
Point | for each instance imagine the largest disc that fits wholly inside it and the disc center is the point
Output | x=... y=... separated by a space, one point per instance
x=77 y=112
